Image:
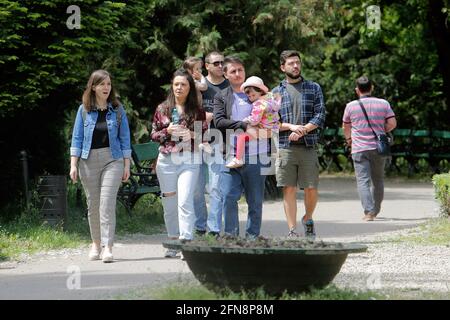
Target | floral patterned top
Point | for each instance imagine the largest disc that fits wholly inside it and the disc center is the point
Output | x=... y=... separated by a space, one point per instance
x=265 y=112
x=162 y=119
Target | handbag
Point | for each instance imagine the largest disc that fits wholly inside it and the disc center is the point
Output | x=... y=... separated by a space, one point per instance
x=383 y=140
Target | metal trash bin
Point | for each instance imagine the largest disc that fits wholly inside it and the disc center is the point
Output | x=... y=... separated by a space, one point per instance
x=52 y=191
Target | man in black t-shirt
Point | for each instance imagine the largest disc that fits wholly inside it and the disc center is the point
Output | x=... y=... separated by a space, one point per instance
x=213 y=221
x=215 y=79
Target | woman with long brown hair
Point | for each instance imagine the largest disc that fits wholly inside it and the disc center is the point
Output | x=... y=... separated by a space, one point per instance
x=179 y=160
x=100 y=154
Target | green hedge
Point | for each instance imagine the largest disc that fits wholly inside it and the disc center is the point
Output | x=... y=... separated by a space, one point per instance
x=442 y=189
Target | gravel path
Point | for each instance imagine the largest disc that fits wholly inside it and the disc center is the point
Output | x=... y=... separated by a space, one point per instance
x=399 y=270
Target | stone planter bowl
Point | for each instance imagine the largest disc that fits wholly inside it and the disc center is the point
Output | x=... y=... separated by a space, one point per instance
x=276 y=269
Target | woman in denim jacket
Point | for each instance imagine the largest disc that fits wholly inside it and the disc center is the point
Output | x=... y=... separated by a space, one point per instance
x=100 y=154
x=179 y=161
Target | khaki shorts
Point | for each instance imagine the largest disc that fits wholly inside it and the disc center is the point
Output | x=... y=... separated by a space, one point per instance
x=297 y=166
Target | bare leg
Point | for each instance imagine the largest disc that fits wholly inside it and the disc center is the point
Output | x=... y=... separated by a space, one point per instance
x=311 y=197
x=290 y=205
x=96 y=245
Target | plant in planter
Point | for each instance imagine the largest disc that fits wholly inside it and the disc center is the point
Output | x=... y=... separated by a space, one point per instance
x=276 y=265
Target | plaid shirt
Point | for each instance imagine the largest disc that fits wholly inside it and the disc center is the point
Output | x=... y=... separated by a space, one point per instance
x=313 y=111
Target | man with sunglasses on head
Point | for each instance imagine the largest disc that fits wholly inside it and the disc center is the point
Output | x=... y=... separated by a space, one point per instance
x=213 y=221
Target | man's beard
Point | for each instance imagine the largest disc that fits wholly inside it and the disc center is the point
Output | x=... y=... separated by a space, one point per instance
x=292 y=76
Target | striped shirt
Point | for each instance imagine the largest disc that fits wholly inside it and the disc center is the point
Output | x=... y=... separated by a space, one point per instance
x=378 y=111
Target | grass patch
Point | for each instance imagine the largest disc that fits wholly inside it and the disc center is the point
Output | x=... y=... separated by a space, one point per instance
x=434 y=232
x=193 y=291
x=28 y=234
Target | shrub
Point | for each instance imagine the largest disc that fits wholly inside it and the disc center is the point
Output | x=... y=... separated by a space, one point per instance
x=442 y=189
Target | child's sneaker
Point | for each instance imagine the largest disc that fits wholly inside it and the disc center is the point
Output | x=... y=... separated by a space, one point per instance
x=206 y=147
x=235 y=163
x=308 y=225
x=171 y=253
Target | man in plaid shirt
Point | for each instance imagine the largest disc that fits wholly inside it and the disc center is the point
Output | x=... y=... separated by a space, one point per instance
x=302 y=112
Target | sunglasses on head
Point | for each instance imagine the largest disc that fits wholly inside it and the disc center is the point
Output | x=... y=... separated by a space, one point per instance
x=217 y=63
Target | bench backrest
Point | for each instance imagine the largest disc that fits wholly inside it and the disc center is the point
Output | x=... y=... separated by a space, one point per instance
x=402 y=132
x=145 y=151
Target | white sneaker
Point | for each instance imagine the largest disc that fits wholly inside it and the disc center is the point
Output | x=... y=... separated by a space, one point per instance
x=94 y=254
x=206 y=148
x=171 y=253
x=107 y=255
x=235 y=163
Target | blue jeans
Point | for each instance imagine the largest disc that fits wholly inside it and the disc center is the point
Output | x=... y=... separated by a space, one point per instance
x=201 y=212
x=233 y=182
x=215 y=197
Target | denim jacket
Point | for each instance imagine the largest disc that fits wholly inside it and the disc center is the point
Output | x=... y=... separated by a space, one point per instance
x=119 y=137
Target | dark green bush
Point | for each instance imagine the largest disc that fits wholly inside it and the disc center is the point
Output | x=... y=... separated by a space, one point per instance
x=442 y=189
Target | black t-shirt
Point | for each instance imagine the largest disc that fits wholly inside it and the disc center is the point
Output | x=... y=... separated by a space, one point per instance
x=208 y=100
x=100 y=138
x=208 y=95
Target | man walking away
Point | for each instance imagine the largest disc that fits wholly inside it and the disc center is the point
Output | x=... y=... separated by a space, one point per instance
x=369 y=165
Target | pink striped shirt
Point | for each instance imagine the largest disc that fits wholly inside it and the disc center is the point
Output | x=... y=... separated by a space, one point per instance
x=378 y=111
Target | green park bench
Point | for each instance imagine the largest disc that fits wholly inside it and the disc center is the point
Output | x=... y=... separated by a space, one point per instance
x=143 y=178
x=431 y=148
x=401 y=148
x=415 y=149
x=419 y=151
x=332 y=148
x=440 y=151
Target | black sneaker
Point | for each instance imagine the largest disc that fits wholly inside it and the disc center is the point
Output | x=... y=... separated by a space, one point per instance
x=310 y=231
x=214 y=234
x=200 y=233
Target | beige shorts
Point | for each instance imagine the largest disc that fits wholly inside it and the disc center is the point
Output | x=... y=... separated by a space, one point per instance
x=297 y=166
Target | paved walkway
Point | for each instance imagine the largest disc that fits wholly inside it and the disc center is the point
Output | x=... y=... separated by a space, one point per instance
x=139 y=260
